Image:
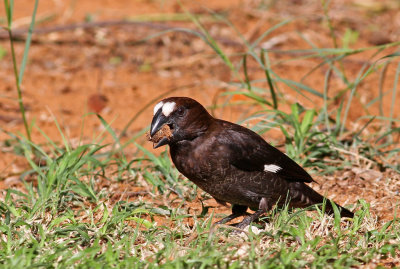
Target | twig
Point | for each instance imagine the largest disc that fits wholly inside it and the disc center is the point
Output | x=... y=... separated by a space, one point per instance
x=19 y=34
x=354 y=154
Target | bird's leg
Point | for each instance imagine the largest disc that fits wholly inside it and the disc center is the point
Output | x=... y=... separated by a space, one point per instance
x=262 y=208
x=237 y=211
x=249 y=219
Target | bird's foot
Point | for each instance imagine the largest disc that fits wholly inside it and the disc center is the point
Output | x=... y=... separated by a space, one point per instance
x=228 y=218
x=237 y=211
x=249 y=219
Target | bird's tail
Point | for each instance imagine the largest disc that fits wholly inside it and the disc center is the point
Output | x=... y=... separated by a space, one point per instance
x=302 y=196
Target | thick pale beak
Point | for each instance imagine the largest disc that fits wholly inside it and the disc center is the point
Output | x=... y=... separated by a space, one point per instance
x=156 y=124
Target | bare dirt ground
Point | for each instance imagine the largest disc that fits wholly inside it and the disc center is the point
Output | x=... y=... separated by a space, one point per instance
x=74 y=71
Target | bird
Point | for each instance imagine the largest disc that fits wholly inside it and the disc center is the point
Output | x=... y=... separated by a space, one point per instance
x=232 y=163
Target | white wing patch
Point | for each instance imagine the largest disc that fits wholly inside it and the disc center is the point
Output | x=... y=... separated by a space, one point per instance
x=272 y=168
x=167 y=108
x=157 y=107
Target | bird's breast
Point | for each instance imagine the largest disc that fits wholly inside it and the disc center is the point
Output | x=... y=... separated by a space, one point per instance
x=199 y=162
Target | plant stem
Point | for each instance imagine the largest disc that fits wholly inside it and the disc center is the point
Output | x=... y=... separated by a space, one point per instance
x=20 y=101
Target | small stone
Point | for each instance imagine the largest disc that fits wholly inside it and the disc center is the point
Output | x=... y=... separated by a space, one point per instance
x=12 y=181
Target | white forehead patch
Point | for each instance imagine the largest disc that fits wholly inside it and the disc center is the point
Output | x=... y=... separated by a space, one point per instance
x=157 y=107
x=272 y=168
x=167 y=108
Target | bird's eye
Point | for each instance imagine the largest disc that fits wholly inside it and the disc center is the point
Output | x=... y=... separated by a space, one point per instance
x=180 y=111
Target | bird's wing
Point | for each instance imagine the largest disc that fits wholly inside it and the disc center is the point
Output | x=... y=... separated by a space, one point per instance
x=250 y=152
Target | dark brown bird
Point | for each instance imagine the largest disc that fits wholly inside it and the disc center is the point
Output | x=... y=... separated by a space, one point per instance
x=232 y=163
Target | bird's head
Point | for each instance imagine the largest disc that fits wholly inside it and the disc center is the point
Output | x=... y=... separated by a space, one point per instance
x=186 y=118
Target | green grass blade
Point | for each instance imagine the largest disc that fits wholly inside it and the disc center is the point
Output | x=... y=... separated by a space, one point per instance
x=394 y=91
x=250 y=95
x=325 y=107
x=9 y=7
x=307 y=121
x=112 y=133
x=269 y=80
x=246 y=75
x=65 y=141
x=27 y=43
x=297 y=85
x=210 y=40
x=382 y=76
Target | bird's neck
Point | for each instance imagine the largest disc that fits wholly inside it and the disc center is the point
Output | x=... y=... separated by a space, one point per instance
x=199 y=126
